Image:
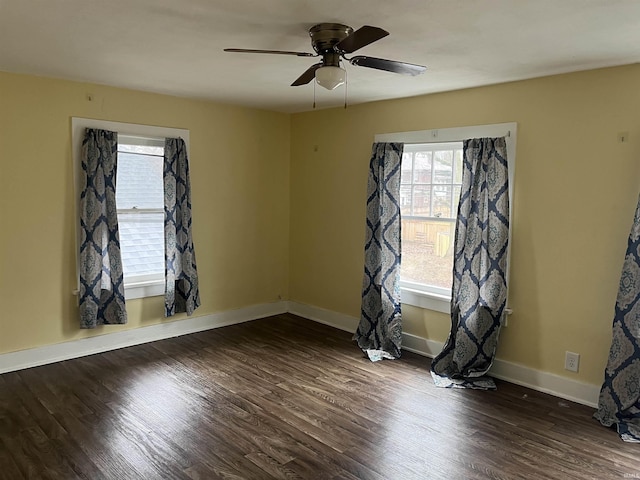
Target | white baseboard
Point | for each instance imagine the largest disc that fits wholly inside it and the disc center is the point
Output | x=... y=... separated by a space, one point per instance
x=327 y=317
x=34 y=357
x=563 y=387
x=420 y=345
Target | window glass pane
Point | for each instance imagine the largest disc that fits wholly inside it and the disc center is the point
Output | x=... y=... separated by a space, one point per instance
x=139 y=181
x=457 y=166
x=456 y=200
x=405 y=199
x=421 y=200
x=141 y=243
x=140 y=186
x=442 y=201
x=406 y=168
x=427 y=252
x=422 y=167
x=443 y=166
x=144 y=149
x=428 y=232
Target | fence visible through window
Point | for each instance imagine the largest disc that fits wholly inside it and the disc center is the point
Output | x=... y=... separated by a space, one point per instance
x=429 y=194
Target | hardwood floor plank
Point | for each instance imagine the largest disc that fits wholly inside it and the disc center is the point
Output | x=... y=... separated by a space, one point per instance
x=272 y=466
x=9 y=470
x=286 y=398
x=36 y=413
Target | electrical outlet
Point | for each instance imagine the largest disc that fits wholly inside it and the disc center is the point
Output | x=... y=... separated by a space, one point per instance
x=571 y=361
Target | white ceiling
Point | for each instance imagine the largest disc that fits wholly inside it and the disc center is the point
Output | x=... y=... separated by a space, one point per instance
x=175 y=46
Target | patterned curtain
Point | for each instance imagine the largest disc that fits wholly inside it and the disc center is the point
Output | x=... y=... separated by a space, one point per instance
x=619 y=401
x=379 y=333
x=181 y=294
x=479 y=290
x=101 y=293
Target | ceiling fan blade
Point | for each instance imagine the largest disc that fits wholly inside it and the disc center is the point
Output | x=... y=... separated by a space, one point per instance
x=388 y=65
x=273 y=52
x=307 y=76
x=360 y=38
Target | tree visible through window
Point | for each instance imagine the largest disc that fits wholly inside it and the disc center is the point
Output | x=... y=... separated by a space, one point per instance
x=429 y=194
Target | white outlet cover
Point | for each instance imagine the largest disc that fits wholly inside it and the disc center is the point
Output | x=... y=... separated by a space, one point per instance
x=571 y=361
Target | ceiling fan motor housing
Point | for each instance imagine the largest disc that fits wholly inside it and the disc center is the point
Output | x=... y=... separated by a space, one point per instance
x=324 y=37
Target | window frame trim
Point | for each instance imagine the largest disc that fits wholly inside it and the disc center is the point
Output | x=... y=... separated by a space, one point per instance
x=136 y=287
x=425 y=296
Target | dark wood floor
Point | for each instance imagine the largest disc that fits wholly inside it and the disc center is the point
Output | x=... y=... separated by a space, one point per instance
x=284 y=397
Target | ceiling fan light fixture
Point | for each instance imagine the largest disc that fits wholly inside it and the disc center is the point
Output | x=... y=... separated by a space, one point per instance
x=330 y=77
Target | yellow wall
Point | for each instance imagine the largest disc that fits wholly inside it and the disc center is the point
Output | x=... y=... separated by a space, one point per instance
x=240 y=184
x=576 y=189
x=279 y=204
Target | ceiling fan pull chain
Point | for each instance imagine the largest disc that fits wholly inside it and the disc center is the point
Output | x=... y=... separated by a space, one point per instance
x=314 y=95
x=346 y=83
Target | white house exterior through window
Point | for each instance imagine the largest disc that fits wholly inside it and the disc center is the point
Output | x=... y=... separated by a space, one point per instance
x=139 y=199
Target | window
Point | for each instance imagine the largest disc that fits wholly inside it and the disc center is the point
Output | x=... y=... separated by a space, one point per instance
x=139 y=199
x=140 y=202
x=430 y=189
x=431 y=179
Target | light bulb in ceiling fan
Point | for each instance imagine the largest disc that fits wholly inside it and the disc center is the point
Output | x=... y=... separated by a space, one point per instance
x=330 y=77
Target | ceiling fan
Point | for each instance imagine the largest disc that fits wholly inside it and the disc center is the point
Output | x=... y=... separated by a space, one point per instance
x=332 y=41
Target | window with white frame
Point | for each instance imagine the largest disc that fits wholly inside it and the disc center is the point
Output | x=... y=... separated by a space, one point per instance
x=140 y=203
x=431 y=179
x=139 y=199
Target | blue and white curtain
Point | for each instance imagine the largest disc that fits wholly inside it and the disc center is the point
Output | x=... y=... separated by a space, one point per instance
x=101 y=291
x=379 y=332
x=181 y=293
x=619 y=402
x=479 y=292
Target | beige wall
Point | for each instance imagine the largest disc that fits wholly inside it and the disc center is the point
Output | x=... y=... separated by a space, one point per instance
x=240 y=182
x=575 y=192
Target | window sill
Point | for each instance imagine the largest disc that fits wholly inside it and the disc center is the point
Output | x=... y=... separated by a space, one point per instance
x=144 y=289
x=153 y=288
x=433 y=301
x=428 y=300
